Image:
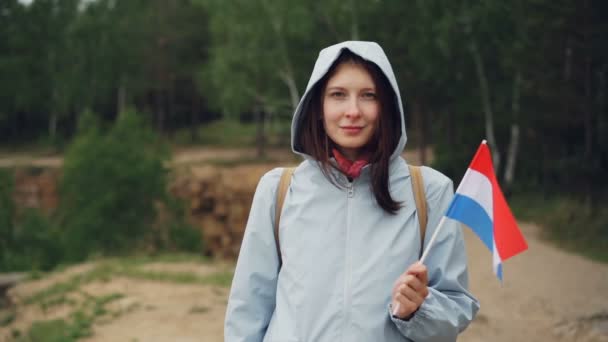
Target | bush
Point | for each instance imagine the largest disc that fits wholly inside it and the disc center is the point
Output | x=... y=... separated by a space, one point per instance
x=35 y=244
x=30 y=243
x=182 y=236
x=7 y=211
x=109 y=186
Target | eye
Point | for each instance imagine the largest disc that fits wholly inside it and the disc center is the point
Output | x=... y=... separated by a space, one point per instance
x=338 y=94
x=368 y=95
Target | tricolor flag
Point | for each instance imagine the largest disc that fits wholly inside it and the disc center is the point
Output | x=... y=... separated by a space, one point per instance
x=480 y=204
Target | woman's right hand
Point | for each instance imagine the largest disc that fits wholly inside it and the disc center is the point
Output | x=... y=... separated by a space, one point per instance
x=409 y=291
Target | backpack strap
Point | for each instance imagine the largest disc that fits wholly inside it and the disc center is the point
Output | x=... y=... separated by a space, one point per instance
x=281 y=193
x=420 y=199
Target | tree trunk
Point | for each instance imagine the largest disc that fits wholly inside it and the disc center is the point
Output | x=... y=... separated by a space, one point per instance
x=53 y=125
x=568 y=59
x=420 y=131
x=514 y=140
x=260 y=136
x=194 y=119
x=170 y=105
x=160 y=110
x=487 y=106
x=290 y=82
x=602 y=123
x=588 y=110
x=354 y=22
x=450 y=129
x=287 y=75
x=121 y=99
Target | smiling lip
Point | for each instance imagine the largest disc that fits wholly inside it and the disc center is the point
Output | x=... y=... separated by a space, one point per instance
x=351 y=130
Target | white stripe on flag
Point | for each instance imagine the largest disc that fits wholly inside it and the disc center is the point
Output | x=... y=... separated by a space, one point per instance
x=495 y=258
x=478 y=187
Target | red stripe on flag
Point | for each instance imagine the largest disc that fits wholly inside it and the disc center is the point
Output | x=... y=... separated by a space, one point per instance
x=509 y=239
x=482 y=162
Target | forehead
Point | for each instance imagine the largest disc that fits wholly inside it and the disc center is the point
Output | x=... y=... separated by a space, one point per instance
x=350 y=74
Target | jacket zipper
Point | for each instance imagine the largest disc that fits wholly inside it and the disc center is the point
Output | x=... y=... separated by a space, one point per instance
x=350 y=193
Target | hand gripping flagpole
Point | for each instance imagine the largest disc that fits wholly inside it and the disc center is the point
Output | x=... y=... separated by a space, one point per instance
x=426 y=252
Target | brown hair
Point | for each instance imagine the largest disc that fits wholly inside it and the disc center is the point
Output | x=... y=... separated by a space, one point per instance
x=313 y=139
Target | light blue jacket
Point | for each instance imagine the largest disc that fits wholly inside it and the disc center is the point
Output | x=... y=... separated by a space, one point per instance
x=342 y=253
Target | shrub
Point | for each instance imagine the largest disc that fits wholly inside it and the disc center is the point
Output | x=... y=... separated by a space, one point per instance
x=7 y=211
x=109 y=186
x=30 y=243
x=35 y=244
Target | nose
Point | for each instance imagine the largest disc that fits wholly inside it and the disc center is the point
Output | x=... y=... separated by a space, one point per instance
x=353 y=110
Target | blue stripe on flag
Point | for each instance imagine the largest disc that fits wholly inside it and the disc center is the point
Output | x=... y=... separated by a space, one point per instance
x=469 y=212
x=499 y=271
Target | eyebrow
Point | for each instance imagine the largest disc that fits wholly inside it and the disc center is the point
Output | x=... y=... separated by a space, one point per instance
x=343 y=88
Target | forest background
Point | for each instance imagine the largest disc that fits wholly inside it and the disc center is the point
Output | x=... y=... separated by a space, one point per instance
x=115 y=86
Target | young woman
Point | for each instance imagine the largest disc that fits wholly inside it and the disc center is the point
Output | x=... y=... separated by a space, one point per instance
x=349 y=232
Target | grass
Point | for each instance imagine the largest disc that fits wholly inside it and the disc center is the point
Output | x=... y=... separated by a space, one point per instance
x=567 y=223
x=199 y=309
x=91 y=309
x=231 y=133
x=7 y=318
x=77 y=326
x=165 y=258
x=130 y=268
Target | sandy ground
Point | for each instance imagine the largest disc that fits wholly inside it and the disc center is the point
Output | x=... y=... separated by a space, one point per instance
x=547 y=295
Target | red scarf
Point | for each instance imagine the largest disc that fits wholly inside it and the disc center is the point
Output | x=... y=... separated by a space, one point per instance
x=350 y=168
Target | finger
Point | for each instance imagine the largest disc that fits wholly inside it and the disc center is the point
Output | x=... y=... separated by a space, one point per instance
x=420 y=271
x=411 y=294
x=414 y=283
x=402 y=278
x=404 y=307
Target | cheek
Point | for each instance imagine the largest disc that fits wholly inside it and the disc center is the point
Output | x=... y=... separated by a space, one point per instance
x=373 y=114
x=330 y=114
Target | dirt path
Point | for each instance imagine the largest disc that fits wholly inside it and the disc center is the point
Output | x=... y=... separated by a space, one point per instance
x=547 y=295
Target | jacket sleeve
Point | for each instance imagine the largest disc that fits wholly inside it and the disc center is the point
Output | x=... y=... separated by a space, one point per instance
x=449 y=307
x=252 y=295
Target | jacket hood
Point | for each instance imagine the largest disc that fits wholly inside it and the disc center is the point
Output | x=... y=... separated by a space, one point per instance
x=369 y=51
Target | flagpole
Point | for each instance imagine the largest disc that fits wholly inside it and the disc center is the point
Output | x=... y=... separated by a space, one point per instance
x=426 y=250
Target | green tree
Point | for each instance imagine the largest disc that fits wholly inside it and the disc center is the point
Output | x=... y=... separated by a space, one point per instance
x=109 y=187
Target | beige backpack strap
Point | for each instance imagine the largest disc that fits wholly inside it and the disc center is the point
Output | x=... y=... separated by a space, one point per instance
x=281 y=192
x=420 y=198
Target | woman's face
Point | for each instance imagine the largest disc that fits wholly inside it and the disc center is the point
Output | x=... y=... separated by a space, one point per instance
x=350 y=109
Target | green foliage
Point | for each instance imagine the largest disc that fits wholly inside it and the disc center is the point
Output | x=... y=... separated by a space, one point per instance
x=78 y=325
x=181 y=236
x=52 y=331
x=130 y=267
x=7 y=318
x=109 y=187
x=35 y=244
x=572 y=225
x=30 y=242
x=7 y=212
x=568 y=222
x=225 y=133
